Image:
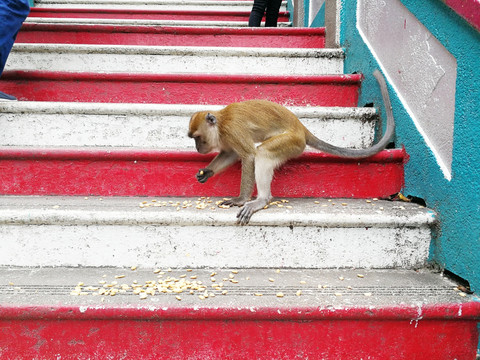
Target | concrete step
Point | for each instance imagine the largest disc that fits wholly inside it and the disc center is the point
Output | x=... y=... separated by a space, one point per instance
x=154 y=15
x=380 y=314
x=196 y=5
x=132 y=172
x=180 y=233
x=135 y=22
x=174 y=59
x=321 y=90
x=50 y=124
x=172 y=36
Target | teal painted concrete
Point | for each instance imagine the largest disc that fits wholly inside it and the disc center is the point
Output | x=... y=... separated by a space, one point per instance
x=319 y=20
x=456 y=245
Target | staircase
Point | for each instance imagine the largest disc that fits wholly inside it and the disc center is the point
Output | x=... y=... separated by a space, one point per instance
x=110 y=249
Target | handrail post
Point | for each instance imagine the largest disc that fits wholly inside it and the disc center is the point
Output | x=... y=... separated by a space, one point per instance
x=332 y=19
x=298 y=13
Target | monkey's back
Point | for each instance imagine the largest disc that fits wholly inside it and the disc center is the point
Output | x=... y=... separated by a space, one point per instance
x=262 y=119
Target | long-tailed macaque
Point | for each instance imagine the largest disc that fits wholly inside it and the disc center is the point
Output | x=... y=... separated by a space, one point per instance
x=235 y=130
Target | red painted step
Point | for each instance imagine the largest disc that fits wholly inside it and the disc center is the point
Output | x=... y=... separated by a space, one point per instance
x=442 y=332
x=120 y=172
x=147 y=14
x=410 y=315
x=172 y=36
x=322 y=90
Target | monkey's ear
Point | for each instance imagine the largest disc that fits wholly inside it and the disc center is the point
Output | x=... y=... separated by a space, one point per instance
x=211 y=119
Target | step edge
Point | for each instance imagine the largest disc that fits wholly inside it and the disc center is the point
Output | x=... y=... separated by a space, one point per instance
x=445 y=311
x=337 y=79
x=302 y=215
x=45 y=107
x=174 y=30
x=150 y=23
x=178 y=50
x=115 y=153
x=149 y=2
x=139 y=11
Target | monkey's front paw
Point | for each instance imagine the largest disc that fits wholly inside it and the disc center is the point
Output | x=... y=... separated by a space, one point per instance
x=203 y=175
x=246 y=212
x=237 y=201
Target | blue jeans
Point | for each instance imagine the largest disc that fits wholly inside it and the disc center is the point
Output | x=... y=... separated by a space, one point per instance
x=12 y=15
x=268 y=7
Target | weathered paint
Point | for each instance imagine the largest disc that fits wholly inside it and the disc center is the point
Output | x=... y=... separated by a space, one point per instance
x=131 y=172
x=172 y=36
x=174 y=59
x=117 y=231
x=156 y=126
x=151 y=332
x=322 y=90
x=456 y=245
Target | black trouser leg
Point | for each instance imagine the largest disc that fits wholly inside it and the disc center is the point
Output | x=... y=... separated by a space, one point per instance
x=256 y=15
x=273 y=7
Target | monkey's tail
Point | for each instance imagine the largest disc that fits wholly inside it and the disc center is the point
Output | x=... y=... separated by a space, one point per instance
x=318 y=144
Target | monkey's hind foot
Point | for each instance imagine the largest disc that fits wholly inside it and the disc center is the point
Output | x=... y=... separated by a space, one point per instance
x=251 y=207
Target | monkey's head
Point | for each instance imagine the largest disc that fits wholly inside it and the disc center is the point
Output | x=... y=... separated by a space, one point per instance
x=203 y=129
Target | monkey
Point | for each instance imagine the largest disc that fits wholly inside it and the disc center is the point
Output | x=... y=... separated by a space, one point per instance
x=235 y=130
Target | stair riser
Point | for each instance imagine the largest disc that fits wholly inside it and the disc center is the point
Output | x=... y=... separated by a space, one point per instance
x=183 y=89
x=167 y=36
x=154 y=173
x=179 y=60
x=226 y=339
x=183 y=246
x=145 y=15
x=159 y=129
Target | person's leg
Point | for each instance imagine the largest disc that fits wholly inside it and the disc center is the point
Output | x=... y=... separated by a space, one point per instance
x=12 y=15
x=273 y=8
x=258 y=10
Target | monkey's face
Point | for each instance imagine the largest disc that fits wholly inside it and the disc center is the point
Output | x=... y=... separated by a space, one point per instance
x=201 y=145
x=203 y=130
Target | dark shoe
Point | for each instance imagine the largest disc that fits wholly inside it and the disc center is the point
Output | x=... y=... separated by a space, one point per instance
x=6 y=97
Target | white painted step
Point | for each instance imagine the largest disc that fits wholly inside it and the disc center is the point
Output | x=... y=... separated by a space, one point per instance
x=320 y=288
x=209 y=5
x=141 y=22
x=175 y=59
x=74 y=231
x=56 y=124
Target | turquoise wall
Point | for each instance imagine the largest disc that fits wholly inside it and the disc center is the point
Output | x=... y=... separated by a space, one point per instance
x=456 y=245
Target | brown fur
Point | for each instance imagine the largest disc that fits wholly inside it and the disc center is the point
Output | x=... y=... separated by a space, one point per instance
x=236 y=130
